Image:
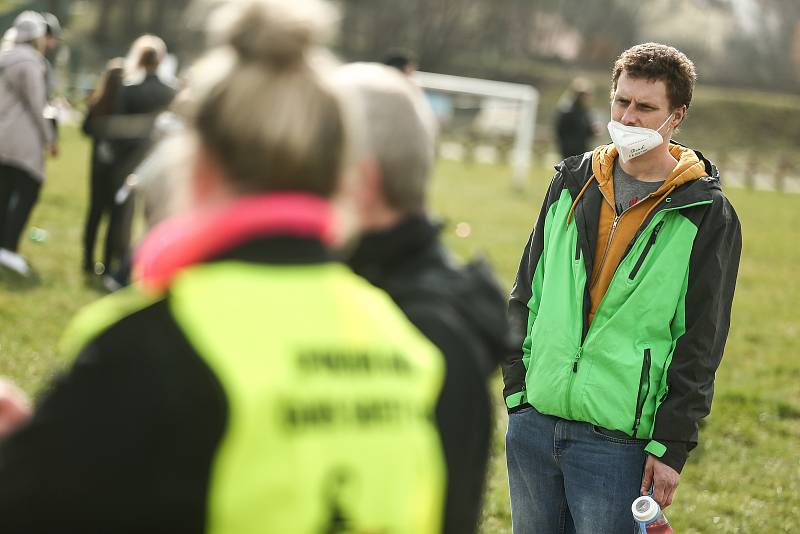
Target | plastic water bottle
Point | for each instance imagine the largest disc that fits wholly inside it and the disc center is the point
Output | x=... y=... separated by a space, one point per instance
x=651 y=519
x=38 y=235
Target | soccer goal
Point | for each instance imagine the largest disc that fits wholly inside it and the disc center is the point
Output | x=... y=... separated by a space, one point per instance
x=486 y=110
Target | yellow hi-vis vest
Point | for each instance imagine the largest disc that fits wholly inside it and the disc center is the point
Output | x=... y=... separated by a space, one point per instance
x=331 y=394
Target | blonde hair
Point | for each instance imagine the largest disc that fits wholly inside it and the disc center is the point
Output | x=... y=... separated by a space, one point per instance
x=264 y=109
x=144 y=45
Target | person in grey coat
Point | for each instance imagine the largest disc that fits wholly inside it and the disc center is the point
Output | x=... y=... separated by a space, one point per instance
x=24 y=133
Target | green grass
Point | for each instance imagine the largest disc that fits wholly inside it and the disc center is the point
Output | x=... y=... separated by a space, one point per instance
x=34 y=313
x=745 y=475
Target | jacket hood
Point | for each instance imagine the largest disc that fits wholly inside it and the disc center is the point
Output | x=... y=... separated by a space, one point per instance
x=200 y=235
x=411 y=264
x=691 y=166
x=20 y=53
x=483 y=304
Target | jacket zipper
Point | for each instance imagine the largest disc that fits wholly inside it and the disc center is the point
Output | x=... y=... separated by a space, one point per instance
x=600 y=307
x=575 y=360
x=608 y=247
x=644 y=381
x=650 y=242
x=611 y=235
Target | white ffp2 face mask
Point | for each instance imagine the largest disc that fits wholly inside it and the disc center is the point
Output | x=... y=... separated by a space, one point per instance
x=633 y=141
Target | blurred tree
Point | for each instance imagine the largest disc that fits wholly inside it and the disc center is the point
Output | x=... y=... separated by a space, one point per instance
x=435 y=29
x=118 y=22
x=59 y=8
x=103 y=26
x=761 y=51
x=490 y=38
x=449 y=32
x=779 y=44
x=607 y=27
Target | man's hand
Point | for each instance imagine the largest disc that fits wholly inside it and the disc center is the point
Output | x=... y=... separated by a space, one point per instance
x=15 y=407
x=53 y=150
x=663 y=477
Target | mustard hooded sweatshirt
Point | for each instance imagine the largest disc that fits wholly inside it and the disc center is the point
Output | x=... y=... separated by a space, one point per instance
x=615 y=232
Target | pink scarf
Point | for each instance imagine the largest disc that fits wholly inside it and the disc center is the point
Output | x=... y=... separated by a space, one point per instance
x=188 y=239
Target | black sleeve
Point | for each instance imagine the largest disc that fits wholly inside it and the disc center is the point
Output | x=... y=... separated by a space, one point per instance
x=712 y=274
x=513 y=367
x=122 y=103
x=122 y=443
x=588 y=125
x=562 y=129
x=463 y=413
x=86 y=126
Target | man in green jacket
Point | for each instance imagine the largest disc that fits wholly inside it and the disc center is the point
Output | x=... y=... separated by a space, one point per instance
x=621 y=307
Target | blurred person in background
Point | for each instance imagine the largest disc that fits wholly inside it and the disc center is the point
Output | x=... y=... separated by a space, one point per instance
x=160 y=180
x=401 y=59
x=621 y=309
x=102 y=104
x=574 y=125
x=460 y=308
x=247 y=383
x=24 y=133
x=138 y=105
x=7 y=42
x=53 y=32
x=135 y=72
x=52 y=35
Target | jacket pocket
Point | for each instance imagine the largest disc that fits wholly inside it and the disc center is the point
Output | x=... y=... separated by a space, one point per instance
x=513 y=377
x=642 y=391
x=650 y=242
x=616 y=437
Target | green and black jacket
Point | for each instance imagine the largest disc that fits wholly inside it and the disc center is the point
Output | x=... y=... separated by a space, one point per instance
x=645 y=364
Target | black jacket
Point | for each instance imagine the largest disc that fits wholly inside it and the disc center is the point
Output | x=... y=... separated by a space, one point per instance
x=462 y=311
x=150 y=96
x=141 y=100
x=574 y=130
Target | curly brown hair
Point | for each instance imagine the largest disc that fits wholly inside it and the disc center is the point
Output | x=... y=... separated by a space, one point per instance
x=654 y=61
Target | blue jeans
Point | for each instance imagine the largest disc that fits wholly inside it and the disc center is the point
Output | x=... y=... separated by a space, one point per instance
x=570 y=477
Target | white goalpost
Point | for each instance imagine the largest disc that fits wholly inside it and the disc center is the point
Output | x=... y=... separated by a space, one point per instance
x=507 y=108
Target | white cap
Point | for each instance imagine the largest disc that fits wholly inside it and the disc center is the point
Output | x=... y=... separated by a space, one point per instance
x=51 y=24
x=645 y=509
x=29 y=25
x=8 y=38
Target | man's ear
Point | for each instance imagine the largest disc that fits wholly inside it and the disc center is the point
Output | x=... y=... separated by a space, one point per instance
x=680 y=113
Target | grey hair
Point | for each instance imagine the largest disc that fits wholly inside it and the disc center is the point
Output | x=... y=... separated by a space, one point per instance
x=399 y=131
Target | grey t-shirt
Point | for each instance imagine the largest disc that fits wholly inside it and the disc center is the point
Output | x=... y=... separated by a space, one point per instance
x=628 y=190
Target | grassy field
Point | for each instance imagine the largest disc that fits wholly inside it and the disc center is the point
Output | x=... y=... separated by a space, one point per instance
x=744 y=477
